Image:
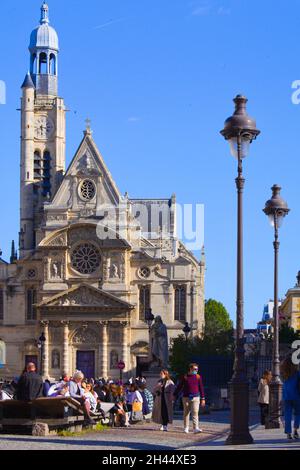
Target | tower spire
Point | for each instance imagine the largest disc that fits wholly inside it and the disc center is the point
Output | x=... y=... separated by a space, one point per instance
x=44 y=13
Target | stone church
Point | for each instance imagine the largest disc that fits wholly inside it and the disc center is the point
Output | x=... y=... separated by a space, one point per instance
x=91 y=261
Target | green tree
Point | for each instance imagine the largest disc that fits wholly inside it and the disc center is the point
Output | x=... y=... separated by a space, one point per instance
x=288 y=335
x=217 y=319
x=217 y=339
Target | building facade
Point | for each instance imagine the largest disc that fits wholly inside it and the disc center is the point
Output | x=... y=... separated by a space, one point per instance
x=91 y=261
x=290 y=308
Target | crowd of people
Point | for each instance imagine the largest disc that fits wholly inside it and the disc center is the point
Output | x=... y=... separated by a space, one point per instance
x=129 y=402
x=133 y=402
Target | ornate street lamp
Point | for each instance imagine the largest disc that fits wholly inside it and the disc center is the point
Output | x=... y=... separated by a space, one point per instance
x=240 y=130
x=41 y=346
x=276 y=209
x=187 y=330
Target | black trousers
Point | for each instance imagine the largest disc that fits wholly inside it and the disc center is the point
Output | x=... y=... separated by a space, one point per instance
x=164 y=411
x=264 y=411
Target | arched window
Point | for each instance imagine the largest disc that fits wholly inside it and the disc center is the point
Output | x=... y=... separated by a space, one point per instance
x=30 y=304
x=180 y=303
x=33 y=69
x=37 y=165
x=47 y=173
x=144 y=303
x=53 y=64
x=1 y=304
x=43 y=65
x=2 y=353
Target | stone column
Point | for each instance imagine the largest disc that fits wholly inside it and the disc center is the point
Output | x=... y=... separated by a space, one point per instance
x=66 y=365
x=104 y=356
x=125 y=355
x=45 y=357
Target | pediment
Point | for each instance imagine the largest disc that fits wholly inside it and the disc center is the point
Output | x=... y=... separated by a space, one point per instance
x=89 y=164
x=88 y=297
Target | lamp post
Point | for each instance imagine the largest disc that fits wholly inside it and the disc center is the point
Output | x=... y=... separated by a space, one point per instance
x=41 y=346
x=240 y=130
x=187 y=330
x=276 y=209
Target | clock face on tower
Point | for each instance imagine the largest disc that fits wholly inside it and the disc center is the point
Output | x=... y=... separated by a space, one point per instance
x=43 y=127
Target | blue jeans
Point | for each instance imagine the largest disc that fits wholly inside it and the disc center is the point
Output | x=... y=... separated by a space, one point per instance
x=290 y=407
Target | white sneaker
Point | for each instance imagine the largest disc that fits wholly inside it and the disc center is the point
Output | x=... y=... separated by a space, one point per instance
x=164 y=428
x=197 y=431
x=186 y=430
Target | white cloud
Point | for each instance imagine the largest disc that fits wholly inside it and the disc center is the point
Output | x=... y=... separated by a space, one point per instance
x=134 y=119
x=205 y=8
x=109 y=23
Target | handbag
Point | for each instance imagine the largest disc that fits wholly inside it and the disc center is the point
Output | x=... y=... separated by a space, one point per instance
x=137 y=407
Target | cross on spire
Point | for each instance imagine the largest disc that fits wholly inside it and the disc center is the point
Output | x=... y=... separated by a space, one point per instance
x=88 y=129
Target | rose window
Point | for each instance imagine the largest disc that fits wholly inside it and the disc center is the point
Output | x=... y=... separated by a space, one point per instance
x=87 y=190
x=86 y=258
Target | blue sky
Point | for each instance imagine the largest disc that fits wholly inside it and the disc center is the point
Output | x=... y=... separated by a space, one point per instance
x=157 y=78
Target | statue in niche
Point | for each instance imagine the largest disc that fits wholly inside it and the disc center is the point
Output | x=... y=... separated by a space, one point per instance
x=114 y=359
x=55 y=359
x=56 y=270
x=115 y=272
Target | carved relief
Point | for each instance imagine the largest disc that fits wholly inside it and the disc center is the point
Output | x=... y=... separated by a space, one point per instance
x=86 y=165
x=85 y=336
x=60 y=240
x=57 y=218
x=85 y=297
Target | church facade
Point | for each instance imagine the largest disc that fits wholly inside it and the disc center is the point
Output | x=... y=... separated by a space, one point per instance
x=91 y=262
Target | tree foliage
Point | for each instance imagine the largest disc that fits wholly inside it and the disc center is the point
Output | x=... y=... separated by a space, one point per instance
x=217 y=339
x=288 y=335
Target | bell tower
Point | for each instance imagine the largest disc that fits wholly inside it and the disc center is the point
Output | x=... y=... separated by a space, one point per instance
x=43 y=131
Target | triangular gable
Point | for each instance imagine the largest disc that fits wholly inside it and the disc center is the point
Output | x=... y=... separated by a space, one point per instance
x=87 y=163
x=86 y=296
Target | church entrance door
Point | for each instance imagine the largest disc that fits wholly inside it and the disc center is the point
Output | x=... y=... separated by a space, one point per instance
x=86 y=363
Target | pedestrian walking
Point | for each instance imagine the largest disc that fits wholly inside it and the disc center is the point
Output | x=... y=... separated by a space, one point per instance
x=291 y=396
x=192 y=389
x=263 y=395
x=163 y=402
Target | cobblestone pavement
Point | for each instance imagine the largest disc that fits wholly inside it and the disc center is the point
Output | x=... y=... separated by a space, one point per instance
x=263 y=440
x=139 y=437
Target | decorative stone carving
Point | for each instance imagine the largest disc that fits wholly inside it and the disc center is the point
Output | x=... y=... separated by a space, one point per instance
x=57 y=218
x=60 y=240
x=85 y=336
x=85 y=297
x=86 y=165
